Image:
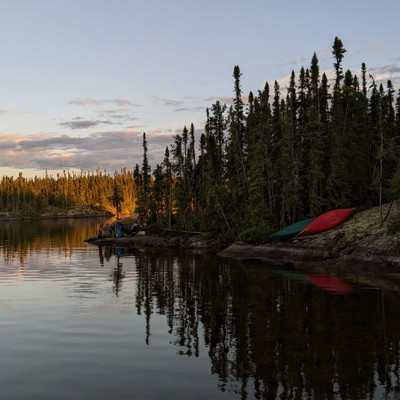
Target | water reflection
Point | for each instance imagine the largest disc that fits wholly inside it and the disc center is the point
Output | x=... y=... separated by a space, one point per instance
x=269 y=332
x=19 y=238
x=327 y=282
x=270 y=337
x=117 y=273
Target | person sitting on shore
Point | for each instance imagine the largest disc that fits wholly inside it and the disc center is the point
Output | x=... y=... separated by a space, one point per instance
x=118 y=230
x=107 y=230
x=135 y=228
x=100 y=231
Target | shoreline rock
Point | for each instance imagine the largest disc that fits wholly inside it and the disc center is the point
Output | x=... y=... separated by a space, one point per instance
x=193 y=242
x=359 y=242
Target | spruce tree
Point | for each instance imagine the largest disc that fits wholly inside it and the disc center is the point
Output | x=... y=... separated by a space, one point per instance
x=338 y=190
x=338 y=52
x=236 y=171
x=145 y=172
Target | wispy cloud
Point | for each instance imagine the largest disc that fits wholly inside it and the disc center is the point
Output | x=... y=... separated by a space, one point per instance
x=387 y=72
x=369 y=49
x=98 y=102
x=301 y=59
x=112 y=111
x=297 y=59
x=389 y=69
x=134 y=126
x=124 y=117
x=225 y=99
x=324 y=55
x=199 y=108
x=79 y=123
x=4 y=111
x=167 y=102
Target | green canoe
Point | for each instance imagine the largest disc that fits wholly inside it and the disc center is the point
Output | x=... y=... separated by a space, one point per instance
x=290 y=231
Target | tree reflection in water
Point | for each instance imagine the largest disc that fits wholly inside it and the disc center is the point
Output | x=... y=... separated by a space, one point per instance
x=268 y=335
x=117 y=274
x=271 y=337
x=19 y=238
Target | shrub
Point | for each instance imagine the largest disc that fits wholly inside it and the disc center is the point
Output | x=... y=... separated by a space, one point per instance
x=393 y=225
x=255 y=235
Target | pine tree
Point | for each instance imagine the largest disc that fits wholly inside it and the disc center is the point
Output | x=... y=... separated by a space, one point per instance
x=145 y=172
x=117 y=197
x=338 y=52
x=236 y=172
x=338 y=190
x=168 y=186
x=364 y=78
x=315 y=77
x=259 y=216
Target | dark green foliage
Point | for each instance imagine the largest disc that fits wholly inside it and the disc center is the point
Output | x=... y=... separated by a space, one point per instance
x=286 y=156
x=393 y=225
x=255 y=235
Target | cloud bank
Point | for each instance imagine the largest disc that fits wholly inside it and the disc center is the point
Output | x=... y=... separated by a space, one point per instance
x=109 y=150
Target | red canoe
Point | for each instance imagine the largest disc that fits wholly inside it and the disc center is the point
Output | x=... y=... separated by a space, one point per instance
x=326 y=221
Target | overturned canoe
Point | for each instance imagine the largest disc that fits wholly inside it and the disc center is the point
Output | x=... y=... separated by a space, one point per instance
x=326 y=221
x=291 y=230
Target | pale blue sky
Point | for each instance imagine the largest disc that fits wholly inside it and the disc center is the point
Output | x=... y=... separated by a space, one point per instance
x=82 y=79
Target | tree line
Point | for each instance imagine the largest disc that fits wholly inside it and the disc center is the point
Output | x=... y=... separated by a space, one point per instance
x=288 y=154
x=98 y=189
x=283 y=155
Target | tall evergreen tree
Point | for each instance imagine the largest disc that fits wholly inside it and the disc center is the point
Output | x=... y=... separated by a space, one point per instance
x=338 y=52
x=146 y=171
x=337 y=184
x=236 y=171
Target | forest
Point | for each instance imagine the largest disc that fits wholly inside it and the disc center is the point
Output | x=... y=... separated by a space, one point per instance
x=279 y=156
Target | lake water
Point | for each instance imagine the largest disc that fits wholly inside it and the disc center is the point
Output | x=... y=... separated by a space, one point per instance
x=79 y=322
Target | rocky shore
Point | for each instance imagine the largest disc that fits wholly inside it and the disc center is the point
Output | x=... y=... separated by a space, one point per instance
x=167 y=240
x=360 y=241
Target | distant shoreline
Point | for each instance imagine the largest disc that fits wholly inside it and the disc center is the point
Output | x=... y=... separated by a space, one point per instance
x=5 y=219
x=57 y=213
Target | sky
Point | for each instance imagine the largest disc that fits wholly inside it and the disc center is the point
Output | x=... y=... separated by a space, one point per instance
x=82 y=80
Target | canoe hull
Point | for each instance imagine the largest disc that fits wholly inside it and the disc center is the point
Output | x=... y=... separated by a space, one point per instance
x=326 y=221
x=290 y=231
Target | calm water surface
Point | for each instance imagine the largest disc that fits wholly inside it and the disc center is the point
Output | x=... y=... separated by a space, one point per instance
x=79 y=322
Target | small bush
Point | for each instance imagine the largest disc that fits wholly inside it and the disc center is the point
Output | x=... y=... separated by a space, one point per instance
x=393 y=225
x=255 y=235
